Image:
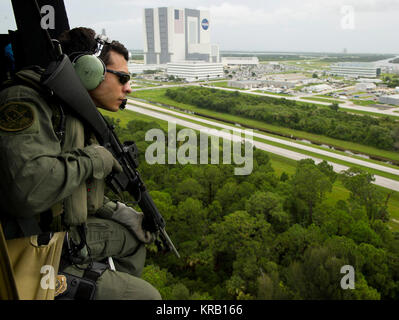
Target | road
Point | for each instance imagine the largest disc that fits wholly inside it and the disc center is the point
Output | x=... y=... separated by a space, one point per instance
x=152 y=111
x=277 y=140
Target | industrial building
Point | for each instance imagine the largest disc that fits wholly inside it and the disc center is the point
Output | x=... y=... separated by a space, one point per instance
x=172 y=35
x=355 y=70
x=392 y=99
x=245 y=84
x=365 y=86
x=365 y=80
x=318 y=88
x=250 y=84
x=279 y=84
x=195 y=70
x=240 y=61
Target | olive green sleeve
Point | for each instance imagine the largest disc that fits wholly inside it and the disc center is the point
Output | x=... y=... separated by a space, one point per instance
x=35 y=173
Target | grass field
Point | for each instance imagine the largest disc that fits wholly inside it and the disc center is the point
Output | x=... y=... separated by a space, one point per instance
x=222 y=84
x=158 y=95
x=363 y=103
x=126 y=115
x=309 y=64
x=279 y=164
x=372 y=114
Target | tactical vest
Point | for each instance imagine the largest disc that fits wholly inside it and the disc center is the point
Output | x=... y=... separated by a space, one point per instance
x=89 y=196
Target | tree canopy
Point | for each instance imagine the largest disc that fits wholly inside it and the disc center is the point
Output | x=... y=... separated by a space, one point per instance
x=265 y=237
x=327 y=121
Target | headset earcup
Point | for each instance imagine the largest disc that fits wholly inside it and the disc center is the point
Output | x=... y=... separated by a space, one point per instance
x=90 y=69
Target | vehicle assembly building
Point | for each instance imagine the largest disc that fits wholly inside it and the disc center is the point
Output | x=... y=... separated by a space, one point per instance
x=173 y=35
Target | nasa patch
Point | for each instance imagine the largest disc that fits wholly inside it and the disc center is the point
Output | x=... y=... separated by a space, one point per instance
x=205 y=24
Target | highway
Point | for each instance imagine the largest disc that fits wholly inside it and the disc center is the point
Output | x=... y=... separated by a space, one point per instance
x=154 y=111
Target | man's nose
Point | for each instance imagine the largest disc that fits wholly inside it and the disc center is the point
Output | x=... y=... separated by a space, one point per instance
x=127 y=87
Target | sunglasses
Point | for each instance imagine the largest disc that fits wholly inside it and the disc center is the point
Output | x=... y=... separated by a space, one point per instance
x=123 y=77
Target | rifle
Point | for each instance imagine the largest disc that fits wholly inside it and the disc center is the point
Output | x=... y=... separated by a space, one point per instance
x=64 y=84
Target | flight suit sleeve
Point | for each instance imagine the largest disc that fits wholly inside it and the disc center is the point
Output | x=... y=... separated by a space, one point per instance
x=35 y=172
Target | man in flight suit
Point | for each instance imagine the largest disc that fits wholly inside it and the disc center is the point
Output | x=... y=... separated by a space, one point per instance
x=52 y=173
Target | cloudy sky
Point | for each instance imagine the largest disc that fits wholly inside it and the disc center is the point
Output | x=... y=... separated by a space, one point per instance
x=360 y=26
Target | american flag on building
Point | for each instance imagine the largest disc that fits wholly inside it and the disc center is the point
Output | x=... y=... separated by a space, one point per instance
x=179 y=21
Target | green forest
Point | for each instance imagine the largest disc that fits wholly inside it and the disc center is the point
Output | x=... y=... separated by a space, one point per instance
x=267 y=236
x=392 y=81
x=330 y=57
x=382 y=133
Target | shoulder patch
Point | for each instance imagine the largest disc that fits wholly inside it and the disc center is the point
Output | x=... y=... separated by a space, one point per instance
x=16 y=116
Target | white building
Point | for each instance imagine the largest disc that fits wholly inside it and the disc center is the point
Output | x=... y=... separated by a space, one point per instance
x=195 y=70
x=240 y=61
x=318 y=88
x=279 y=84
x=309 y=81
x=250 y=84
x=353 y=69
x=365 y=80
x=365 y=86
x=393 y=99
x=244 y=84
x=172 y=35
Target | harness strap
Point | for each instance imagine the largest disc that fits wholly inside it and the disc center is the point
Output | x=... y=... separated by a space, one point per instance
x=95 y=271
x=29 y=226
x=82 y=288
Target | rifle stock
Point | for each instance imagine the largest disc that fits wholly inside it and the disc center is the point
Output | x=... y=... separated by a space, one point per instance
x=64 y=84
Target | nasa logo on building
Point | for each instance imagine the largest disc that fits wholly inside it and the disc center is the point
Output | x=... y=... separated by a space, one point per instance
x=205 y=24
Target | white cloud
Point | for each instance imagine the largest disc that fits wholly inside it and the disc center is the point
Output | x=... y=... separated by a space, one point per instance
x=291 y=12
x=119 y=23
x=228 y=14
x=309 y=25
